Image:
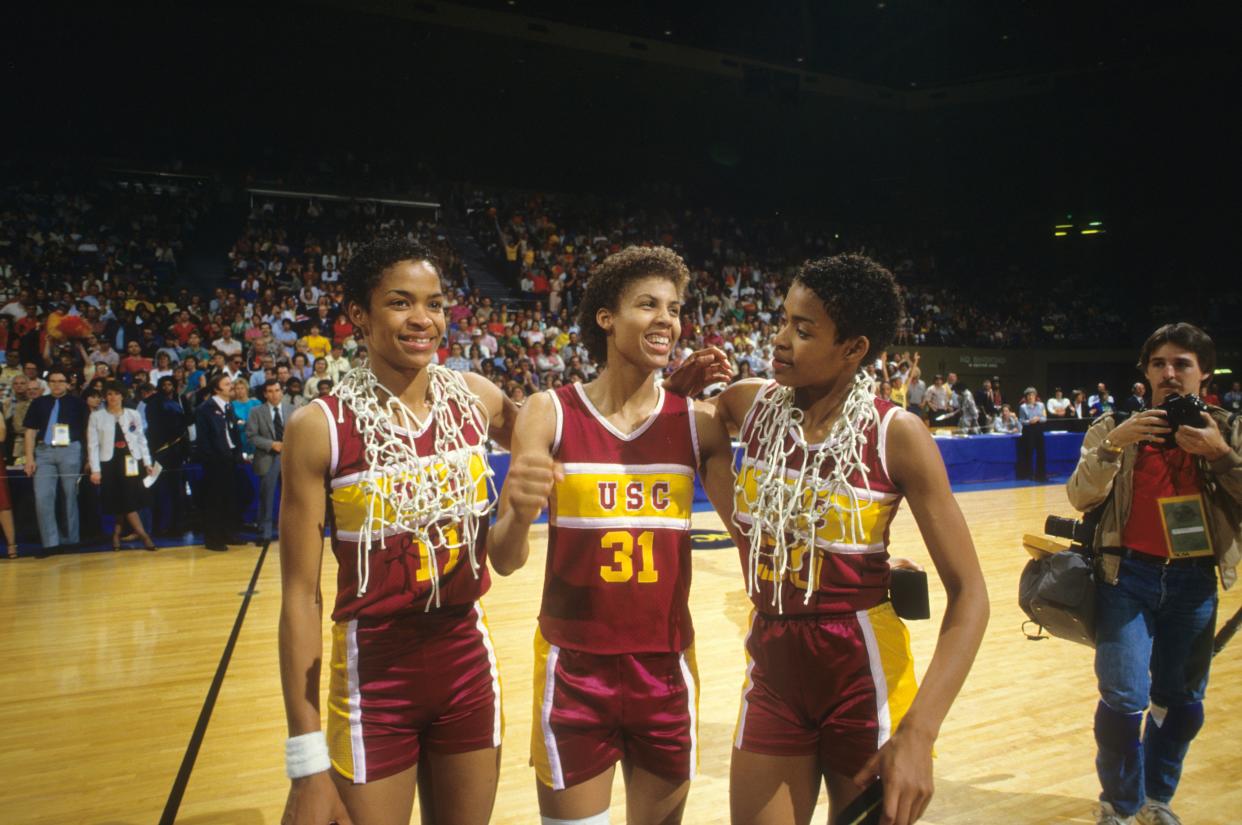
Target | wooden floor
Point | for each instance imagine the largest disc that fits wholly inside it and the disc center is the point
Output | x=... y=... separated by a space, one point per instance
x=109 y=657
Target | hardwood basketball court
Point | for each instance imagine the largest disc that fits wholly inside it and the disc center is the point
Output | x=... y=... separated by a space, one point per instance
x=111 y=655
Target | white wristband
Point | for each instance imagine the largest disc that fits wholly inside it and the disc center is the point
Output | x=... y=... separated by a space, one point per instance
x=306 y=754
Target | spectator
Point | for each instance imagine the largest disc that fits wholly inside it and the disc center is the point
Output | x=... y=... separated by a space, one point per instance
x=1058 y=405
x=1078 y=405
x=240 y=405
x=226 y=344
x=1007 y=422
x=168 y=433
x=316 y=344
x=1137 y=402
x=1032 y=416
x=133 y=362
x=218 y=447
x=55 y=432
x=969 y=421
x=117 y=451
x=1233 y=399
x=265 y=428
x=6 y=503
x=293 y=392
x=1101 y=402
x=457 y=359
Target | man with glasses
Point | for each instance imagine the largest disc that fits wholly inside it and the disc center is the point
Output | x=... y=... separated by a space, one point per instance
x=55 y=431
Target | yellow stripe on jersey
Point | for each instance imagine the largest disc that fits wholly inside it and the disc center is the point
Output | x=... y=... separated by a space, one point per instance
x=835 y=535
x=602 y=493
x=351 y=502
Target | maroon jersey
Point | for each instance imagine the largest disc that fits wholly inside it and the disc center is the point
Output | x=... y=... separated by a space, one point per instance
x=850 y=570
x=399 y=570
x=618 y=569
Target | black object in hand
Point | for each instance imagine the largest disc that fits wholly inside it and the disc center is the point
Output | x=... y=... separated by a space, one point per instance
x=865 y=809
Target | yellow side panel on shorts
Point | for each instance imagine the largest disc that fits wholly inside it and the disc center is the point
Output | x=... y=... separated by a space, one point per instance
x=538 y=751
x=340 y=740
x=893 y=641
x=350 y=503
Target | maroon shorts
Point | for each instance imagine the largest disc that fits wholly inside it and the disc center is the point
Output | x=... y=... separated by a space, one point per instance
x=833 y=685
x=403 y=684
x=592 y=710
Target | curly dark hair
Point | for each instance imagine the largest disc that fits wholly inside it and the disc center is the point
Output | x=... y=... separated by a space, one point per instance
x=367 y=266
x=609 y=281
x=859 y=295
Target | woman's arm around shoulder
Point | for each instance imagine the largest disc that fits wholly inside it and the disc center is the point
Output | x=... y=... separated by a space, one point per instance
x=715 y=460
x=501 y=411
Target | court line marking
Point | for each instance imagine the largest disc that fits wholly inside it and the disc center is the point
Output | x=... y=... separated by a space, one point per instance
x=200 y=728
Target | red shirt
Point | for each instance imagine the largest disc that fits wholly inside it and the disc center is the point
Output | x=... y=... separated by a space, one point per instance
x=1158 y=473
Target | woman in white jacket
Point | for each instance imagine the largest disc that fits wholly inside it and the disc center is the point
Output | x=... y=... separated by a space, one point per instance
x=116 y=448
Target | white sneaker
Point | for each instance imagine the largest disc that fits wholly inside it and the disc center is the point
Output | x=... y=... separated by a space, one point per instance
x=1156 y=813
x=1105 y=815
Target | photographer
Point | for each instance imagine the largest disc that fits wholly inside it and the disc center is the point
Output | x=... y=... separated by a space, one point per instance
x=1169 y=519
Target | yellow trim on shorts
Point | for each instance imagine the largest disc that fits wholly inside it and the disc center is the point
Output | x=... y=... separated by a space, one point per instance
x=896 y=661
x=339 y=733
x=538 y=750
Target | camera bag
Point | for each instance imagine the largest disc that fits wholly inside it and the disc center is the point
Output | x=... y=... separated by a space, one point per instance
x=1057 y=592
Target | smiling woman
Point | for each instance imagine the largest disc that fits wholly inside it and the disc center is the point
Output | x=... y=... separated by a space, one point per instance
x=400 y=445
x=614 y=627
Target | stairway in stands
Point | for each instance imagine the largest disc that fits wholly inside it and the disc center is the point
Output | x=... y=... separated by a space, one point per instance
x=483 y=272
x=205 y=263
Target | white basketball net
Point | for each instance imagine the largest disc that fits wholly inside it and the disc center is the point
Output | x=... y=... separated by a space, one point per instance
x=790 y=506
x=409 y=493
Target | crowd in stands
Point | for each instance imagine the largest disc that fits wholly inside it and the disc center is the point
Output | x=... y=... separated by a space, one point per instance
x=86 y=297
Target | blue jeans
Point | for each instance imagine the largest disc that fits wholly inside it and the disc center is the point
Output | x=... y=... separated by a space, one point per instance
x=1153 y=646
x=57 y=468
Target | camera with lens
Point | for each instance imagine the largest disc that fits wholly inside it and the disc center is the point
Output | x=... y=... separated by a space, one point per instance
x=1081 y=533
x=1182 y=411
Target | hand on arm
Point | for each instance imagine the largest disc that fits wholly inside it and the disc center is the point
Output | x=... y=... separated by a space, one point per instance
x=904 y=762
x=705 y=367
x=528 y=486
x=313 y=800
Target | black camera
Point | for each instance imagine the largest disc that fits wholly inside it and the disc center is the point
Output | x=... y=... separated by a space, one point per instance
x=1182 y=411
x=1080 y=532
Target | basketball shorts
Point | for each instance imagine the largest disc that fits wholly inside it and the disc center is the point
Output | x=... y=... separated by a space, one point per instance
x=407 y=683
x=592 y=710
x=833 y=685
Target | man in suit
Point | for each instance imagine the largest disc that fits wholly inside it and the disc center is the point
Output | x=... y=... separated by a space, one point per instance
x=168 y=434
x=265 y=428
x=217 y=446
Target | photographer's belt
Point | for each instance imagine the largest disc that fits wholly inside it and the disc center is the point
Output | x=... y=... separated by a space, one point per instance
x=1161 y=561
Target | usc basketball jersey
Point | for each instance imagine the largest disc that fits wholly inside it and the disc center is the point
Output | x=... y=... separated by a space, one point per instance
x=618 y=567
x=850 y=572
x=401 y=570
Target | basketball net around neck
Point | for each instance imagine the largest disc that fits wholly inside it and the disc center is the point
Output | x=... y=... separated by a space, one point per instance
x=409 y=493
x=793 y=500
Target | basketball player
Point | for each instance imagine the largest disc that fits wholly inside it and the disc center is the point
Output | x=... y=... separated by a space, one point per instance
x=414 y=695
x=829 y=692
x=615 y=674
